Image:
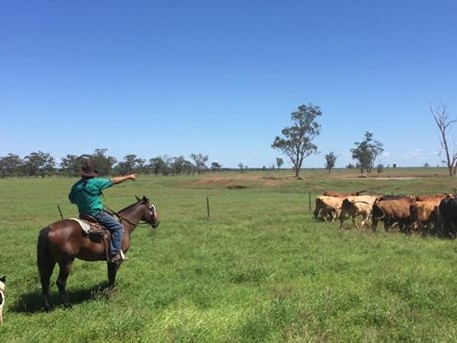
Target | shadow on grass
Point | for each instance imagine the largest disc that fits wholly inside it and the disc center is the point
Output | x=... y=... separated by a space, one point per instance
x=32 y=302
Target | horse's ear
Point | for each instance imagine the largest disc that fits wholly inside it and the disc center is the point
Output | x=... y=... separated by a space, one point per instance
x=146 y=200
x=136 y=197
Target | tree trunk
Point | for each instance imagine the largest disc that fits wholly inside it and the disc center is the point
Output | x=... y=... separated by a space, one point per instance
x=297 y=171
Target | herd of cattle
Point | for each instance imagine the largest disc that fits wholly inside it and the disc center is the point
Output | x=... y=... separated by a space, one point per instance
x=423 y=214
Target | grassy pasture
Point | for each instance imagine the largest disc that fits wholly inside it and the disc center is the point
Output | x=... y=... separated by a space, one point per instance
x=258 y=270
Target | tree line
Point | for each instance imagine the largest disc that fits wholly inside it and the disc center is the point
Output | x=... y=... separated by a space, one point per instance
x=41 y=164
x=296 y=143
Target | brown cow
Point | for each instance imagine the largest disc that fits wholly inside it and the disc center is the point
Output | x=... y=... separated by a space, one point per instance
x=327 y=208
x=424 y=212
x=393 y=210
x=354 y=206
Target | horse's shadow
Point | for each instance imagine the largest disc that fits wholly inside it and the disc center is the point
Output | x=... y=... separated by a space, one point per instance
x=33 y=302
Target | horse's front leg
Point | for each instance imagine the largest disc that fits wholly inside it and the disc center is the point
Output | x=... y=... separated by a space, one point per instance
x=65 y=268
x=112 y=271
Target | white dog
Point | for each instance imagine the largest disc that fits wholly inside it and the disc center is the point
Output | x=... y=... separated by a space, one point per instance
x=2 y=297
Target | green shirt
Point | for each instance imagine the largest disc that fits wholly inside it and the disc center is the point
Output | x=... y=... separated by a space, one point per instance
x=86 y=194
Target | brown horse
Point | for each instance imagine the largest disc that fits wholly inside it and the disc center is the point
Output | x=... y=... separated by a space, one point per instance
x=63 y=241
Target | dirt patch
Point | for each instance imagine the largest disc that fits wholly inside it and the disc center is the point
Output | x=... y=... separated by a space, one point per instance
x=384 y=178
x=241 y=181
x=237 y=187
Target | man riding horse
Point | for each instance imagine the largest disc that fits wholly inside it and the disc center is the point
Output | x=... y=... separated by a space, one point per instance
x=86 y=193
x=63 y=241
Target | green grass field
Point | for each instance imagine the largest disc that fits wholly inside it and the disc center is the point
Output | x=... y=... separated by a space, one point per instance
x=258 y=269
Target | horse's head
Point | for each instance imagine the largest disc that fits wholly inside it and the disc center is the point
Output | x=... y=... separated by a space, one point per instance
x=151 y=216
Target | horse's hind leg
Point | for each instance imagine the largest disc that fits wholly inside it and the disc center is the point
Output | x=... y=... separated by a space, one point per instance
x=45 y=278
x=65 y=268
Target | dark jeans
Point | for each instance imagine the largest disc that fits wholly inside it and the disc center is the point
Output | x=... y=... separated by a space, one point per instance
x=114 y=227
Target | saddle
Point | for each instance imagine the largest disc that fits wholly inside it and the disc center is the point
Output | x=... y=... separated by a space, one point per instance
x=92 y=229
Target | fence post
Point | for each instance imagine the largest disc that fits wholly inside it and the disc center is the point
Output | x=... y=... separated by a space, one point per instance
x=309 y=201
x=207 y=207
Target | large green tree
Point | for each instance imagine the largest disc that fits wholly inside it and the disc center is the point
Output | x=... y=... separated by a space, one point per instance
x=10 y=165
x=215 y=166
x=297 y=141
x=103 y=163
x=158 y=165
x=39 y=164
x=179 y=165
x=200 y=162
x=71 y=165
x=366 y=152
x=130 y=164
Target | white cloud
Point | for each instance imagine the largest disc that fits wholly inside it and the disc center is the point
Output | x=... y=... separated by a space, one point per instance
x=415 y=152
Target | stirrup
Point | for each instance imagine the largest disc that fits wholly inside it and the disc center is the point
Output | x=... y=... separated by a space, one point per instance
x=119 y=257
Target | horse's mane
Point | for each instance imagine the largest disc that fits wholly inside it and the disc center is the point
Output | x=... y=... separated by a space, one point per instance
x=143 y=200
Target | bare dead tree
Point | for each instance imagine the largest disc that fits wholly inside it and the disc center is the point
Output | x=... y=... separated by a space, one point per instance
x=443 y=122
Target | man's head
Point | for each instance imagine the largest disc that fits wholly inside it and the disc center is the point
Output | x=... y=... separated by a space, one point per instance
x=88 y=170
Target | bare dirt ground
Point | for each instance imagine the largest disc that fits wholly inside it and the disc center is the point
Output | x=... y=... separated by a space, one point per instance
x=267 y=178
x=239 y=180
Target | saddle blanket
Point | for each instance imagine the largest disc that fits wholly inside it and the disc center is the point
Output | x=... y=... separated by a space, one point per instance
x=84 y=225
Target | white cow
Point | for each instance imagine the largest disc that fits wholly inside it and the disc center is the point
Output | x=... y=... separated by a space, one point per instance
x=355 y=206
x=328 y=208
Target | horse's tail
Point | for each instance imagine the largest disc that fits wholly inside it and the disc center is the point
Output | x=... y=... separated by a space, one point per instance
x=45 y=261
x=41 y=245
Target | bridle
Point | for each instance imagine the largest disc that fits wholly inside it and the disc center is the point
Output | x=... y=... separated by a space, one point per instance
x=152 y=216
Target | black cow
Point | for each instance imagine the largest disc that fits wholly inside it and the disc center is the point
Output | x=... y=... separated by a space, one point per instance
x=447 y=213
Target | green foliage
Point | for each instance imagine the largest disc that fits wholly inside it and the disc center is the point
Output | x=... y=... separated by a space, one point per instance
x=330 y=160
x=366 y=152
x=258 y=270
x=297 y=141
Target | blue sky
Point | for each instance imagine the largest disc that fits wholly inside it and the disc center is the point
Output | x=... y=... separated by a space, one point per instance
x=172 y=78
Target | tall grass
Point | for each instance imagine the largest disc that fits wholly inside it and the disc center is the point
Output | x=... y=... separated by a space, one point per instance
x=258 y=269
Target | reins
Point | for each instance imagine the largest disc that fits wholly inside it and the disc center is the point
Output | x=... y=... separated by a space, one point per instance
x=120 y=216
x=124 y=218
